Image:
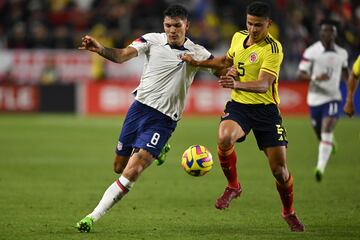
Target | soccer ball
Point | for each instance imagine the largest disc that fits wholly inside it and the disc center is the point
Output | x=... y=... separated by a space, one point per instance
x=197 y=160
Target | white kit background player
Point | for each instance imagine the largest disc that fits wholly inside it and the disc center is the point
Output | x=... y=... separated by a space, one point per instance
x=324 y=64
x=159 y=101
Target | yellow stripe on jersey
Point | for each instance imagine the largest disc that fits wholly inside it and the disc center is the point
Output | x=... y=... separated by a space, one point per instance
x=266 y=55
x=356 y=67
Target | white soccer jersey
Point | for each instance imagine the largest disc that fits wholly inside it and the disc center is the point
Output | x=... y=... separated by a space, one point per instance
x=166 y=78
x=317 y=61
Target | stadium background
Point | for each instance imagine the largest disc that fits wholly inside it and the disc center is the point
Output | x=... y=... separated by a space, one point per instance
x=39 y=60
x=54 y=167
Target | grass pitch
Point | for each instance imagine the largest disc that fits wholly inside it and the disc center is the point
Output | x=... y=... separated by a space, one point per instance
x=55 y=168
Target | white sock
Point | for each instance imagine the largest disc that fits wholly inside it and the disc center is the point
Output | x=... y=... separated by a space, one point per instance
x=111 y=196
x=325 y=148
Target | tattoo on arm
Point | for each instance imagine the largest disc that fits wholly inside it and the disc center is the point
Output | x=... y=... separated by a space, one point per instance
x=110 y=54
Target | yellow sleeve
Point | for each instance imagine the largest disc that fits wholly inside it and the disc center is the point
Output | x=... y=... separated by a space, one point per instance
x=231 y=52
x=356 y=67
x=272 y=63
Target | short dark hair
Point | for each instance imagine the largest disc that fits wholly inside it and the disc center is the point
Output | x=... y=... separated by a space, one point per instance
x=330 y=22
x=258 y=9
x=176 y=11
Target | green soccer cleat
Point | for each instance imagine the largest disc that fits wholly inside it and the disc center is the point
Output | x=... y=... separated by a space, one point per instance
x=85 y=224
x=318 y=175
x=162 y=156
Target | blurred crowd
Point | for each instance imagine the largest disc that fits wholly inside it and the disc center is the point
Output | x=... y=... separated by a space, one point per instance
x=60 y=24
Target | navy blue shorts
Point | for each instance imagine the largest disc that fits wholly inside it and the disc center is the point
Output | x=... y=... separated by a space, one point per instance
x=318 y=113
x=264 y=120
x=144 y=127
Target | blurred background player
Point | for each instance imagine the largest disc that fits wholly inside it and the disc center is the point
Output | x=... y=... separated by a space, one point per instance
x=324 y=64
x=352 y=84
x=256 y=56
x=159 y=101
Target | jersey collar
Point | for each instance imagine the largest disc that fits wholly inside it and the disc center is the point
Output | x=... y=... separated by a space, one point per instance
x=178 y=47
x=258 y=43
x=331 y=49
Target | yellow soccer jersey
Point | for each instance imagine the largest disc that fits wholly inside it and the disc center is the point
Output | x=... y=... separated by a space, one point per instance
x=356 y=67
x=264 y=56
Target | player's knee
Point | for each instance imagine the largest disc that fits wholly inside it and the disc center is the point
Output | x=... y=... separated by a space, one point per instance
x=132 y=173
x=280 y=173
x=224 y=142
x=137 y=164
x=144 y=158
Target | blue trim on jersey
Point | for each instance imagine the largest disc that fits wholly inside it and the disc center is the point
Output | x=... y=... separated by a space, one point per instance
x=140 y=39
x=182 y=48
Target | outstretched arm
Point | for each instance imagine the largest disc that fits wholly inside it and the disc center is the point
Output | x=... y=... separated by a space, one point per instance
x=218 y=63
x=351 y=86
x=113 y=54
x=258 y=86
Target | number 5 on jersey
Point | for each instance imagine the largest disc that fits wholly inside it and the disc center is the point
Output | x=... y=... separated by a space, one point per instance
x=241 y=69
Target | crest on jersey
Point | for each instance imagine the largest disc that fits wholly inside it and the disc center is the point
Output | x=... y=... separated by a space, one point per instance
x=253 y=57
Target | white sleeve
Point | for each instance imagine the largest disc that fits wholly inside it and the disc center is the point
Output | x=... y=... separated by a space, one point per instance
x=141 y=44
x=306 y=62
x=202 y=54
